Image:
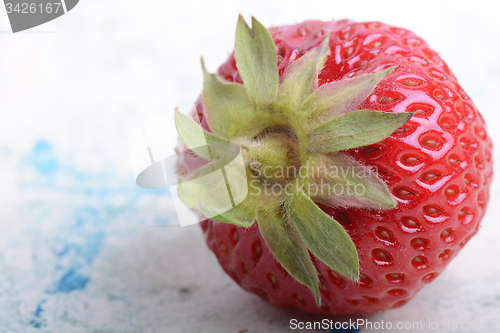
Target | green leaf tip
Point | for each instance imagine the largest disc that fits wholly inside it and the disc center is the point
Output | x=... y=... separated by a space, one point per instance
x=219 y=190
x=324 y=52
x=337 y=180
x=202 y=143
x=340 y=97
x=356 y=129
x=230 y=111
x=256 y=60
x=202 y=63
x=285 y=242
x=301 y=76
x=324 y=236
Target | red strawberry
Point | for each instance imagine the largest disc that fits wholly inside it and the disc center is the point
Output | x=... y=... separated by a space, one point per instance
x=426 y=182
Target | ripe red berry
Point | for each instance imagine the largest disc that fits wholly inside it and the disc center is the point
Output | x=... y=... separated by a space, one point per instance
x=437 y=167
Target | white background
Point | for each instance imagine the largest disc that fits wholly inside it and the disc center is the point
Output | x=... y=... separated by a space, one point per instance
x=85 y=80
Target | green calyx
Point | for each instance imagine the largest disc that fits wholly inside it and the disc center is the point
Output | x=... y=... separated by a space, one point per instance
x=277 y=147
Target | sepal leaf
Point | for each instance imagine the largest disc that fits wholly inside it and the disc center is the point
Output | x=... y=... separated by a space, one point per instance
x=219 y=190
x=242 y=215
x=301 y=76
x=230 y=112
x=202 y=143
x=339 y=181
x=324 y=236
x=340 y=97
x=285 y=243
x=355 y=129
x=255 y=55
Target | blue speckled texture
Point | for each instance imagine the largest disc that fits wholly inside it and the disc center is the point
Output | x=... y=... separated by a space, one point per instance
x=83 y=249
x=70 y=213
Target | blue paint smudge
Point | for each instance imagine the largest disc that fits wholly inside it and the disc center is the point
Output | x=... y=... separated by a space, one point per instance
x=69 y=282
x=42 y=157
x=103 y=183
x=38 y=321
x=79 y=246
x=79 y=242
x=161 y=221
x=39 y=309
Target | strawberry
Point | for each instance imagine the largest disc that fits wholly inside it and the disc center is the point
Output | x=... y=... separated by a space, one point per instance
x=388 y=165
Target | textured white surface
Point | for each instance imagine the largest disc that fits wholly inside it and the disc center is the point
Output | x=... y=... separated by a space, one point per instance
x=80 y=246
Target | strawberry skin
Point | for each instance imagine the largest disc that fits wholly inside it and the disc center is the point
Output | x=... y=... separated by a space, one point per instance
x=438 y=166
